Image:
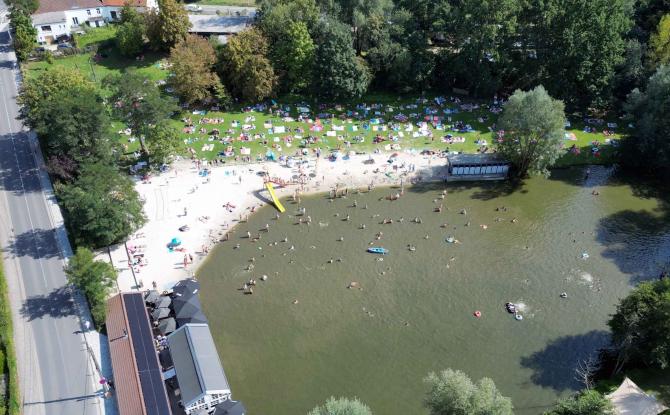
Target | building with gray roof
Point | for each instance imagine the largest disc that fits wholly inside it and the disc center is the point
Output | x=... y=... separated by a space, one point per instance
x=202 y=382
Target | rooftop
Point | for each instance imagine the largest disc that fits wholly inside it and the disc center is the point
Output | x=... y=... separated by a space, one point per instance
x=137 y=376
x=196 y=363
x=455 y=159
x=211 y=23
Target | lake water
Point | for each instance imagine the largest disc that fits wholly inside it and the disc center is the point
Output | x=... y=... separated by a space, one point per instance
x=412 y=313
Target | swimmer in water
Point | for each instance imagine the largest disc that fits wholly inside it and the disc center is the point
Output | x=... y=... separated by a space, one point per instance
x=341 y=238
x=248 y=235
x=362 y=226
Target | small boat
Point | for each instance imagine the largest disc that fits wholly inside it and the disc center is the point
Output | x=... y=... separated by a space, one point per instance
x=510 y=307
x=378 y=250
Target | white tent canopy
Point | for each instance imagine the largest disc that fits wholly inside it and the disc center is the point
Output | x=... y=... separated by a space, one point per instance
x=629 y=399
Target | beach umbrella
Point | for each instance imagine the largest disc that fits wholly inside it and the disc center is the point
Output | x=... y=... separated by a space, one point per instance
x=186 y=288
x=151 y=296
x=160 y=313
x=163 y=301
x=188 y=310
x=167 y=326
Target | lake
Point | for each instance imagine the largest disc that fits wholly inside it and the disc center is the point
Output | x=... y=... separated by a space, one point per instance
x=304 y=335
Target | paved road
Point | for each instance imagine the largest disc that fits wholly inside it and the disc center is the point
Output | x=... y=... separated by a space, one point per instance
x=57 y=376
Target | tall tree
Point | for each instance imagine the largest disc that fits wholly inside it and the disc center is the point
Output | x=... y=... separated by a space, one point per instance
x=480 y=34
x=533 y=125
x=138 y=102
x=193 y=62
x=341 y=406
x=641 y=325
x=586 y=403
x=293 y=57
x=101 y=207
x=338 y=72
x=274 y=16
x=162 y=141
x=35 y=91
x=167 y=26
x=647 y=147
x=582 y=43
x=245 y=67
x=451 y=392
x=73 y=124
x=659 y=43
x=131 y=32
x=93 y=278
x=25 y=35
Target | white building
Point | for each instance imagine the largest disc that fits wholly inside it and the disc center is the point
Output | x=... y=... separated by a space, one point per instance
x=56 y=18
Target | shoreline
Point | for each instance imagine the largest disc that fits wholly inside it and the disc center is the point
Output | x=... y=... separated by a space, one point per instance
x=212 y=205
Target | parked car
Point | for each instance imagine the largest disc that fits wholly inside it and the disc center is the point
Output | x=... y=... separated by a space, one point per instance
x=64 y=46
x=193 y=8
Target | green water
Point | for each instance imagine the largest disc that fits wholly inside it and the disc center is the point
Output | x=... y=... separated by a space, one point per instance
x=413 y=312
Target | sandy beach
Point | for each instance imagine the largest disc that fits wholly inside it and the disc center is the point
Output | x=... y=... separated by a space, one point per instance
x=211 y=206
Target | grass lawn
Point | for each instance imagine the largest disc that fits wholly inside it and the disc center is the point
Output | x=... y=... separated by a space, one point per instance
x=9 y=404
x=349 y=129
x=96 y=35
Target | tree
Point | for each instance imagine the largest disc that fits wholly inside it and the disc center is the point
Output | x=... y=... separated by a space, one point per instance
x=25 y=35
x=647 y=147
x=168 y=26
x=341 y=406
x=73 y=127
x=162 y=142
x=192 y=62
x=139 y=103
x=275 y=16
x=93 y=278
x=245 y=67
x=294 y=57
x=131 y=32
x=581 y=44
x=586 y=403
x=101 y=206
x=451 y=392
x=533 y=125
x=35 y=91
x=338 y=72
x=28 y=7
x=659 y=43
x=641 y=325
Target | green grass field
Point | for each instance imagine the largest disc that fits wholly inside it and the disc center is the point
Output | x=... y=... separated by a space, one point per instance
x=204 y=145
x=9 y=403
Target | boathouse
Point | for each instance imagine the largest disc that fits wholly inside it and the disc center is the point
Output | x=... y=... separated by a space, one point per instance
x=464 y=167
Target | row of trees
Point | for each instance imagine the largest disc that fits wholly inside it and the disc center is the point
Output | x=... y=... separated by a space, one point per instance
x=451 y=392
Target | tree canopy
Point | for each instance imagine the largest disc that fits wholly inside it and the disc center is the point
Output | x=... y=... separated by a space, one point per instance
x=659 y=43
x=647 y=147
x=138 y=102
x=130 y=34
x=101 y=207
x=589 y=402
x=162 y=142
x=341 y=406
x=94 y=279
x=167 y=26
x=293 y=57
x=641 y=325
x=245 y=67
x=338 y=72
x=192 y=61
x=451 y=392
x=25 y=34
x=531 y=131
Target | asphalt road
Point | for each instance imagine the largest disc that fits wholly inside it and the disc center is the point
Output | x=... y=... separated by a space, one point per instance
x=56 y=374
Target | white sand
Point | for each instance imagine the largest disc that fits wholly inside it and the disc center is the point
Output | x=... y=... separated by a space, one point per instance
x=168 y=194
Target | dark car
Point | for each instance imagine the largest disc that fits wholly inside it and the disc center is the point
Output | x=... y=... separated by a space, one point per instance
x=64 y=46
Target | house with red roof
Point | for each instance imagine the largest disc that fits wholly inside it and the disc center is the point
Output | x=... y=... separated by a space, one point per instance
x=55 y=19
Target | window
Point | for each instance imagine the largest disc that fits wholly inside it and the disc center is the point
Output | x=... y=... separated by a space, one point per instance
x=88 y=12
x=75 y=20
x=97 y=11
x=46 y=28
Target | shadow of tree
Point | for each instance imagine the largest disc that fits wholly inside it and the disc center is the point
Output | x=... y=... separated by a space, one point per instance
x=554 y=366
x=38 y=244
x=58 y=303
x=483 y=190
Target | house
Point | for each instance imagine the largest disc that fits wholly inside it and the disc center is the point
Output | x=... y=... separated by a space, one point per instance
x=138 y=382
x=220 y=26
x=202 y=382
x=58 y=18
